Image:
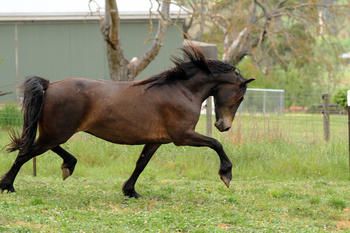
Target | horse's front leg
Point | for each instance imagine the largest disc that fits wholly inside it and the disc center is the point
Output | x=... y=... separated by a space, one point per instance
x=195 y=139
x=145 y=156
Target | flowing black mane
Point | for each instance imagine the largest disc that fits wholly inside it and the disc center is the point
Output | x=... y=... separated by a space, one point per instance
x=186 y=67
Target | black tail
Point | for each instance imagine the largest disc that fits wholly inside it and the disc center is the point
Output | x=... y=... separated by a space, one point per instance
x=33 y=99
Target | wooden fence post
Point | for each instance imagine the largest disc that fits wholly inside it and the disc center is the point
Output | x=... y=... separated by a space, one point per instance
x=34 y=166
x=326 y=131
x=209 y=113
x=348 y=108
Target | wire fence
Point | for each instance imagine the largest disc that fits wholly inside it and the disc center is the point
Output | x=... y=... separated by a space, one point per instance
x=265 y=101
x=300 y=128
x=269 y=115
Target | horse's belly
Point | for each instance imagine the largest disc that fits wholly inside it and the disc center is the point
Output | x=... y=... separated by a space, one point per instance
x=125 y=121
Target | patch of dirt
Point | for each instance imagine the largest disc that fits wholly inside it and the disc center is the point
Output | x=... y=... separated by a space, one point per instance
x=28 y=225
x=344 y=224
x=224 y=226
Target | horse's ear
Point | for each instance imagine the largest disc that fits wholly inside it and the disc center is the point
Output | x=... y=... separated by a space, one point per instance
x=247 y=81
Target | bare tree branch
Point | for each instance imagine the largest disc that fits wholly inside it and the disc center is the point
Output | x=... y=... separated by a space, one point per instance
x=119 y=67
x=281 y=3
x=139 y=64
x=220 y=21
x=232 y=54
x=111 y=24
x=243 y=43
x=5 y=93
x=257 y=3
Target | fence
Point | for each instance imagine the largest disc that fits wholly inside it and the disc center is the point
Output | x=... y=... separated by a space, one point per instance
x=300 y=128
x=263 y=101
x=257 y=100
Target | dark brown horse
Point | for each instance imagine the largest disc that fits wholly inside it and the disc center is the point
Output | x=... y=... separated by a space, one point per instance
x=162 y=109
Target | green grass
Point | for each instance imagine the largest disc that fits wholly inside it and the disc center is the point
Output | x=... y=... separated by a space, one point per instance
x=286 y=179
x=181 y=205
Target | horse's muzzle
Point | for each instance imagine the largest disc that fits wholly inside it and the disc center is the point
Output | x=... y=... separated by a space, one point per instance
x=221 y=126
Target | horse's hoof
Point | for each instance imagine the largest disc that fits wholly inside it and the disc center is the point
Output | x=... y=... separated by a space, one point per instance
x=65 y=173
x=226 y=177
x=68 y=169
x=7 y=187
x=226 y=181
x=131 y=194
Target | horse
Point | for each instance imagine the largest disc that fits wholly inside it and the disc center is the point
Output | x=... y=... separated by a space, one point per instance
x=162 y=109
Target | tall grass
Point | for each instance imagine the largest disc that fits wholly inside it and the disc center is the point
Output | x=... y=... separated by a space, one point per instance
x=278 y=160
x=10 y=116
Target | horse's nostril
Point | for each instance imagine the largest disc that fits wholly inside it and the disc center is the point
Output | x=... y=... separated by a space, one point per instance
x=218 y=123
x=227 y=128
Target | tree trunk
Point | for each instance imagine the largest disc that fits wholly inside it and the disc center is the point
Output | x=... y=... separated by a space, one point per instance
x=234 y=52
x=118 y=66
x=139 y=64
x=248 y=38
x=120 y=69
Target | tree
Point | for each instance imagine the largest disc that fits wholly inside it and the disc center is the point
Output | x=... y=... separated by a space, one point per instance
x=278 y=29
x=120 y=68
x=2 y=93
x=289 y=44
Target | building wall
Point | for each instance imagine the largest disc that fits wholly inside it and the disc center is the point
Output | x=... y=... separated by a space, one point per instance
x=56 y=50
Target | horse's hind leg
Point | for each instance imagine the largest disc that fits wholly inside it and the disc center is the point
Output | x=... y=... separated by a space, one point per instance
x=6 y=182
x=146 y=155
x=69 y=161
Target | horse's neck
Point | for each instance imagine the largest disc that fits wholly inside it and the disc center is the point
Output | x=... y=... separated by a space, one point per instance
x=202 y=88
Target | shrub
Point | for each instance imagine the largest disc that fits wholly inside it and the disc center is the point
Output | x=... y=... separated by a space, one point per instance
x=10 y=116
x=340 y=97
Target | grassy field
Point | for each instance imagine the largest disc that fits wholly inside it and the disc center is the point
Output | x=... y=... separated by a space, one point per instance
x=181 y=205
x=286 y=179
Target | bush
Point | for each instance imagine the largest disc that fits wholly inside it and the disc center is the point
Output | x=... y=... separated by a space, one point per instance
x=340 y=98
x=10 y=116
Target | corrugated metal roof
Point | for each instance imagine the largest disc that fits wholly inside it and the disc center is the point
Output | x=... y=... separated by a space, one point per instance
x=33 y=10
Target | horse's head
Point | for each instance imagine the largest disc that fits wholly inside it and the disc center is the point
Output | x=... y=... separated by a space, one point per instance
x=227 y=97
x=224 y=82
